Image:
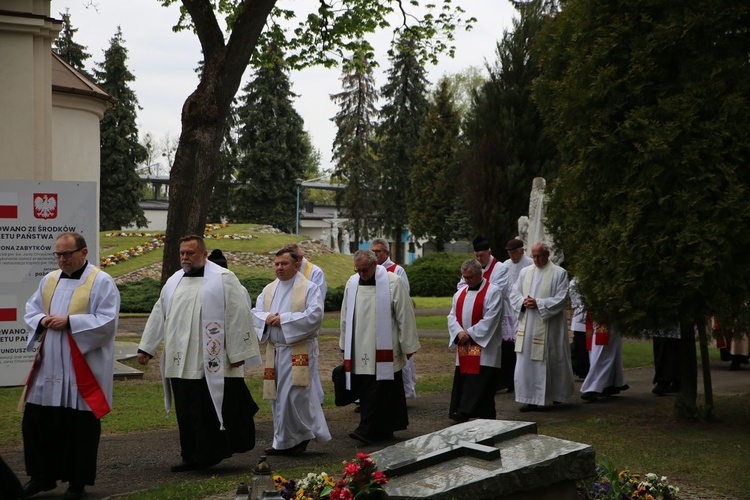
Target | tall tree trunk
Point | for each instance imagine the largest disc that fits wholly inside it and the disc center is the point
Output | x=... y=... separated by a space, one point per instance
x=685 y=406
x=706 y=368
x=397 y=255
x=193 y=175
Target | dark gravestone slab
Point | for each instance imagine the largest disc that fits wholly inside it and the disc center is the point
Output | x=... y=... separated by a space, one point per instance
x=485 y=459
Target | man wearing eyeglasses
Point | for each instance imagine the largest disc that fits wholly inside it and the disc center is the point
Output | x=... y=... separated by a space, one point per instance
x=378 y=335
x=73 y=318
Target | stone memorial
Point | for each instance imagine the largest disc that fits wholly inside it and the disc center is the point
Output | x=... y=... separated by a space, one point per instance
x=485 y=459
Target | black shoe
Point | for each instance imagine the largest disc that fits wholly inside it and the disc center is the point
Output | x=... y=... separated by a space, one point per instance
x=674 y=387
x=75 y=492
x=295 y=450
x=360 y=437
x=35 y=486
x=529 y=407
x=660 y=389
x=591 y=397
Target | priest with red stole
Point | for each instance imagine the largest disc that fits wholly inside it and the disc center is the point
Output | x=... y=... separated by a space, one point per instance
x=72 y=320
x=475 y=332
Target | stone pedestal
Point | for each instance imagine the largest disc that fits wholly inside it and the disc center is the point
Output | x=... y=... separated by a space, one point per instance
x=485 y=459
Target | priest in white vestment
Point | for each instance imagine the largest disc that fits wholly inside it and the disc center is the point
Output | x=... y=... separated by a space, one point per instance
x=378 y=335
x=543 y=370
x=517 y=261
x=315 y=274
x=203 y=318
x=73 y=316
x=475 y=334
x=288 y=315
x=382 y=251
x=606 y=376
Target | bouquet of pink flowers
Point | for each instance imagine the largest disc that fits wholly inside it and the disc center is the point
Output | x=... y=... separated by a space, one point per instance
x=361 y=479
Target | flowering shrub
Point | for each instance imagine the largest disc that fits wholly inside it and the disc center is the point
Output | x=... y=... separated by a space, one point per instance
x=610 y=484
x=361 y=479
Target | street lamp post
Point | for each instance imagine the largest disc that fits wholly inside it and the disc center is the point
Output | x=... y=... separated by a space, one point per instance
x=299 y=183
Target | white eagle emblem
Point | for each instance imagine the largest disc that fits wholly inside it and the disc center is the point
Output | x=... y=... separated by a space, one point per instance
x=45 y=206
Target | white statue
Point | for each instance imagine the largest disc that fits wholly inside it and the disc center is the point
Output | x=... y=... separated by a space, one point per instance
x=532 y=229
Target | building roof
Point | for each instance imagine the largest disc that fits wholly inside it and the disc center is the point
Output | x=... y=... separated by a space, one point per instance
x=67 y=79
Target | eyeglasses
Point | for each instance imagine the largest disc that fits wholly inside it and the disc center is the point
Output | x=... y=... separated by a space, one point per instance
x=68 y=254
x=363 y=270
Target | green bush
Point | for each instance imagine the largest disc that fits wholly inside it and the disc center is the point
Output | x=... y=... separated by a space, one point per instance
x=334 y=297
x=139 y=296
x=436 y=274
x=254 y=285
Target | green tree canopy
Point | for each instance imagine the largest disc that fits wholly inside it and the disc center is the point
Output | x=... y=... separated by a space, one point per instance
x=120 y=185
x=648 y=103
x=353 y=145
x=506 y=147
x=273 y=147
x=401 y=122
x=435 y=171
x=72 y=52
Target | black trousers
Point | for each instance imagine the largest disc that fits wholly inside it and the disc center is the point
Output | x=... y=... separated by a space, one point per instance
x=201 y=439
x=60 y=444
x=666 y=360
x=382 y=405
x=579 y=355
x=473 y=396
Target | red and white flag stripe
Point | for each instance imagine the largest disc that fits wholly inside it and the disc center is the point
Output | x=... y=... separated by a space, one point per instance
x=8 y=308
x=8 y=205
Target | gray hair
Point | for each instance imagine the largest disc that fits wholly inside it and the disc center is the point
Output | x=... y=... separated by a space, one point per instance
x=472 y=264
x=381 y=241
x=368 y=255
x=543 y=245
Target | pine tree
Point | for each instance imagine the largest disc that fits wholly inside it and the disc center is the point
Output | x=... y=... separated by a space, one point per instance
x=506 y=147
x=434 y=175
x=72 y=53
x=402 y=119
x=352 y=146
x=120 y=186
x=272 y=143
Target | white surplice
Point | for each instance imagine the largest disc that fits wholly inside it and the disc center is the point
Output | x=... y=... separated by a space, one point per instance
x=606 y=364
x=409 y=372
x=510 y=316
x=318 y=277
x=93 y=332
x=181 y=329
x=485 y=332
x=403 y=326
x=297 y=411
x=542 y=382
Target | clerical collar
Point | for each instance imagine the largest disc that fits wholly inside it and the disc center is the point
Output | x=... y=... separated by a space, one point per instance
x=195 y=272
x=370 y=282
x=76 y=275
x=475 y=288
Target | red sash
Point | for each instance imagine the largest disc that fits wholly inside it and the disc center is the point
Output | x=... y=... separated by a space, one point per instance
x=88 y=386
x=391 y=269
x=488 y=272
x=470 y=354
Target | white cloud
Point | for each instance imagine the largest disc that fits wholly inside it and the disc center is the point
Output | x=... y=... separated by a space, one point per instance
x=163 y=62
